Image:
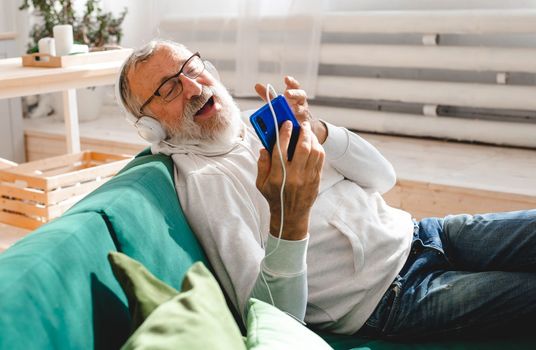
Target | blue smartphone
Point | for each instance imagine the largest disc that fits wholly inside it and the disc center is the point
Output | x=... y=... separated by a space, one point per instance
x=263 y=123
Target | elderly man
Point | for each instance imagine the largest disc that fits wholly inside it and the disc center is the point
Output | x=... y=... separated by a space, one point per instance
x=346 y=261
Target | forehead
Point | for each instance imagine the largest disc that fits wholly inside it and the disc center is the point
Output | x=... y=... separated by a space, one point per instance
x=147 y=75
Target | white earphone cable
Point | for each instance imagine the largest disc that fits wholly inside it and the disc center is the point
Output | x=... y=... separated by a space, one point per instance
x=269 y=89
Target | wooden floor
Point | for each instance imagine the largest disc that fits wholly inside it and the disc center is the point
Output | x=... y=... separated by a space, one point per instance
x=436 y=178
x=9 y=235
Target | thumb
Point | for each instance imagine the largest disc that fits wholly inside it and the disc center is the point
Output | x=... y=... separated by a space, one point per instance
x=261 y=91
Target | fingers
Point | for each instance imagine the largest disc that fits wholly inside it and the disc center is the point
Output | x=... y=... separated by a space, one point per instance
x=297 y=99
x=303 y=147
x=261 y=91
x=316 y=158
x=291 y=83
x=285 y=134
x=309 y=153
x=297 y=95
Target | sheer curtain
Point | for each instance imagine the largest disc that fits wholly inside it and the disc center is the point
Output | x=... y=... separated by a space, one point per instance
x=249 y=41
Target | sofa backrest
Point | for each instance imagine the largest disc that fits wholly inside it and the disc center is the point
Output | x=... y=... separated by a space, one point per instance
x=145 y=219
x=57 y=290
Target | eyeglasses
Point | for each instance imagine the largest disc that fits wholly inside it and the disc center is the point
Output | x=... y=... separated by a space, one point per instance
x=172 y=86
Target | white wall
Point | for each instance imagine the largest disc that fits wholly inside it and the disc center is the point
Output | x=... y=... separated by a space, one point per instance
x=140 y=23
x=381 y=5
x=5 y=19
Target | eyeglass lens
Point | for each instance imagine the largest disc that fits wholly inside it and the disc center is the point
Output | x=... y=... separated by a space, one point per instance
x=173 y=87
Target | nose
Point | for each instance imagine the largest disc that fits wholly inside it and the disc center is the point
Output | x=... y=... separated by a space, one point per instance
x=190 y=87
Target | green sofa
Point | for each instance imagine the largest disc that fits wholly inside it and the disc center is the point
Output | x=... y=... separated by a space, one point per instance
x=57 y=290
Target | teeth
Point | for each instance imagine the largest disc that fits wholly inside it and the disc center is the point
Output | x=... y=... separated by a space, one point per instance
x=204 y=106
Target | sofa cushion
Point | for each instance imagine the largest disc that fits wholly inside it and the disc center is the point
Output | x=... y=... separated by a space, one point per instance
x=271 y=329
x=145 y=218
x=195 y=318
x=144 y=291
x=57 y=290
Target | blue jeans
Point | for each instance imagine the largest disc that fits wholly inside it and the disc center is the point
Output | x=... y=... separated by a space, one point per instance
x=465 y=276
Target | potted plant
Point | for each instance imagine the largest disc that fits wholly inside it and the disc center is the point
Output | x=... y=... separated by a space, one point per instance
x=93 y=27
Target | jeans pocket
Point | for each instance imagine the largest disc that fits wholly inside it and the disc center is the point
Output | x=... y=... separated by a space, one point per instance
x=383 y=315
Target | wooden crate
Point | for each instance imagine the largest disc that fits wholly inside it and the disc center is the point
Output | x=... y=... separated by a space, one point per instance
x=34 y=193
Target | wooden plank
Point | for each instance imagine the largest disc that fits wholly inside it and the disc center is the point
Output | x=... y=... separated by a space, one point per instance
x=45 y=164
x=21 y=207
x=4 y=163
x=41 y=145
x=496 y=59
x=76 y=60
x=429 y=92
x=67 y=169
x=56 y=210
x=107 y=157
x=19 y=220
x=87 y=174
x=22 y=81
x=57 y=196
x=23 y=180
x=23 y=193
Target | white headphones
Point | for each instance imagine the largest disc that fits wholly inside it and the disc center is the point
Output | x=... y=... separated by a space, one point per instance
x=148 y=127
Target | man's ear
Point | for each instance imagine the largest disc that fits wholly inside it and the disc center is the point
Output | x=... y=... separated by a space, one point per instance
x=212 y=70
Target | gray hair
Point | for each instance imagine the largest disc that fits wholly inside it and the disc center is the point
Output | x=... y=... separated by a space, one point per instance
x=129 y=101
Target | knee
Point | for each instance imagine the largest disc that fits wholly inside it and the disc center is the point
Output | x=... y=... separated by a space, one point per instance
x=453 y=224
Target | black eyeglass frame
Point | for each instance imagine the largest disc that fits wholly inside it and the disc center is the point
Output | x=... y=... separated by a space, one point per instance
x=157 y=93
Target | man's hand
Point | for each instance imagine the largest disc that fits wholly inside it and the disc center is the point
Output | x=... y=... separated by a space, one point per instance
x=302 y=182
x=297 y=100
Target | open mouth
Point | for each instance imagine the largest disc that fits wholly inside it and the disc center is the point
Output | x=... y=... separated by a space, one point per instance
x=206 y=107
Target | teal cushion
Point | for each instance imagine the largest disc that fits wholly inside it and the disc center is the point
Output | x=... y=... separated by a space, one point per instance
x=271 y=329
x=57 y=290
x=145 y=218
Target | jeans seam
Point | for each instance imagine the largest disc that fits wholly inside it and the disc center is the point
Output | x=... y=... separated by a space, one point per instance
x=447 y=244
x=394 y=309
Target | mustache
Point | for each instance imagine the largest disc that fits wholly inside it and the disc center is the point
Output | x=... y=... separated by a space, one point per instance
x=197 y=102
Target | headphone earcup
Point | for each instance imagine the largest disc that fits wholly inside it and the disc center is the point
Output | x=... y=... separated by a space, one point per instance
x=151 y=130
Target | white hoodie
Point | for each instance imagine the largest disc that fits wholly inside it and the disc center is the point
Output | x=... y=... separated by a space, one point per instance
x=334 y=278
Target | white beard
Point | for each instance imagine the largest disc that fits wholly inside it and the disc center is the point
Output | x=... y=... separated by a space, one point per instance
x=222 y=129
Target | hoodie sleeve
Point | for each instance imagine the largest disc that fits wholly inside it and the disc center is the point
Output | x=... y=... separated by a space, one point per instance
x=228 y=227
x=358 y=160
x=282 y=281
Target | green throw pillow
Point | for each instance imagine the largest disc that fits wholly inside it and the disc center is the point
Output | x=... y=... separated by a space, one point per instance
x=144 y=291
x=271 y=329
x=196 y=318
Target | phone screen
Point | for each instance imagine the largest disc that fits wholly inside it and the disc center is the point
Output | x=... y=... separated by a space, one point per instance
x=263 y=123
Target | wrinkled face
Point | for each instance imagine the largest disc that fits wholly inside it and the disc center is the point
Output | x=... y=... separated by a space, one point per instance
x=204 y=111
